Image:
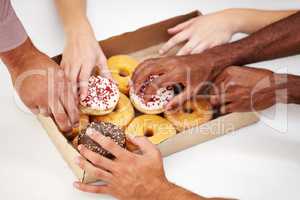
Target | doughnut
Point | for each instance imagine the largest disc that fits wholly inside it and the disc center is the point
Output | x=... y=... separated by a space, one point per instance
x=157 y=102
x=102 y=98
x=122 y=67
x=84 y=120
x=108 y=130
x=192 y=113
x=121 y=115
x=75 y=142
x=156 y=128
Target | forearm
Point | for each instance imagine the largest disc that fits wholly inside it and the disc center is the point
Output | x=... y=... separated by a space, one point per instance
x=279 y=39
x=73 y=16
x=174 y=192
x=251 y=20
x=287 y=88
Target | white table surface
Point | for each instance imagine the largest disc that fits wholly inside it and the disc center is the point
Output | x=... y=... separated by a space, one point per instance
x=258 y=162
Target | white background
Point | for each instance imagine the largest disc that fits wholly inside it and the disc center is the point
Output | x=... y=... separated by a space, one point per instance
x=258 y=162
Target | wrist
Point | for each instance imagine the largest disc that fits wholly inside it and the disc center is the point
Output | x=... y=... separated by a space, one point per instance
x=80 y=28
x=290 y=85
x=15 y=58
x=168 y=189
x=235 y=20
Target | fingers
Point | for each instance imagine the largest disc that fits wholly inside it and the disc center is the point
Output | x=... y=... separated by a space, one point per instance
x=200 y=48
x=178 y=38
x=103 y=68
x=181 y=26
x=223 y=98
x=95 y=158
x=179 y=99
x=229 y=108
x=35 y=110
x=91 y=169
x=159 y=82
x=44 y=111
x=143 y=144
x=189 y=46
x=84 y=76
x=144 y=70
x=107 y=143
x=69 y=102
x=60 y=116
x=98 y=189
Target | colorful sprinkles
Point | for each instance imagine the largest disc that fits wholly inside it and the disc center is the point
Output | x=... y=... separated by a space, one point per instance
x=157 y=101
x=103 y=94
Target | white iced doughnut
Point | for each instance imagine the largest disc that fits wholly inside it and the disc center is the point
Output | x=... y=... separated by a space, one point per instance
x=103 y=96
x=157 y=102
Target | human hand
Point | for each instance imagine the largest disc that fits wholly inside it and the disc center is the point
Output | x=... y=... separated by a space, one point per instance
x=202 y=32
x=241 y=89
x=129 y=176
x=41 y=85
x=192 y=71
x=81 y=55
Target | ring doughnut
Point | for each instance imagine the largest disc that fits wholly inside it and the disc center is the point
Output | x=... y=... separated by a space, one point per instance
x=105 y=128
x=122 y=67
x=192 y=113
x=156 y=128
x=103 y=96
x=121 y=115
x=157 y=102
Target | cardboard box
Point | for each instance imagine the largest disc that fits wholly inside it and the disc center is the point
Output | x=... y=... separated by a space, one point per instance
x=142 y=44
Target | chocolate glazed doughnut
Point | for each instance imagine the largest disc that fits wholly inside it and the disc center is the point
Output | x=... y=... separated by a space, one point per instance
x=107 y=129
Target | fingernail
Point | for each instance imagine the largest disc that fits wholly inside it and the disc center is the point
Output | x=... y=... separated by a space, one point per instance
x=82 y=97
x=76 y=125
x=160 y=51
x=90 y=132
x=80 y=147
x=76 y=184
x=77 y=160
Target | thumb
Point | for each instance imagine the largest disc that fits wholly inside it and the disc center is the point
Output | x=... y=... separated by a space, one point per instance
x=143 y=144
x=103 y=68
x=179 y=99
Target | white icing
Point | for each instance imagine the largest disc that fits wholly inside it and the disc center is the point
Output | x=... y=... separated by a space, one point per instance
x=103 y=94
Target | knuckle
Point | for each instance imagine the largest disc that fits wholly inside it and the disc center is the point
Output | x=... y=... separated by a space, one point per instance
x=98 y=173
x=97 y=161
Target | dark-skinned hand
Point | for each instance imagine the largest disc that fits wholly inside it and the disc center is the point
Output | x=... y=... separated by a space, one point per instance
x=242 y=89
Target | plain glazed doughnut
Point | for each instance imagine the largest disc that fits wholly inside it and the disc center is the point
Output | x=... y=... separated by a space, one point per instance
x=106 y=129
x=121 y=115
x=192 y=113
x=157 y=102
x=122 y=67
x=156 y=128
x=103 y=96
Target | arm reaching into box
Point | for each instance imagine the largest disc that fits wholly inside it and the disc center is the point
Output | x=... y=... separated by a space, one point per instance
x=82 y=52
x=217 y=28
x=241 y=89
x=279 y=39
x=130 y=176
x=35 y=76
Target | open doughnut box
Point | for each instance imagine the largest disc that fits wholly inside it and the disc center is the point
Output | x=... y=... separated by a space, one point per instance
x=143 y=44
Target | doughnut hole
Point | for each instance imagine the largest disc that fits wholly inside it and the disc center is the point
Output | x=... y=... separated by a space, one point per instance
x=123 y=72
x=148 y=133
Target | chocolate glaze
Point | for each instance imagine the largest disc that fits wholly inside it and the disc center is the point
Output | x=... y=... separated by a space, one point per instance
x=108 y=130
